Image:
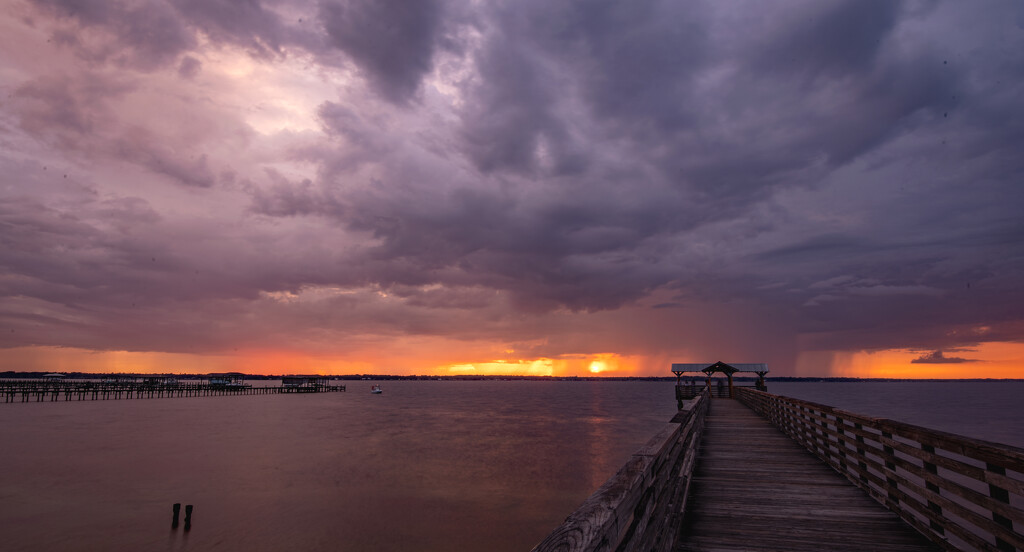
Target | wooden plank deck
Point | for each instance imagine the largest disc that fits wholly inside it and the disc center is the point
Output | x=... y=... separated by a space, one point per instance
x=754 y=488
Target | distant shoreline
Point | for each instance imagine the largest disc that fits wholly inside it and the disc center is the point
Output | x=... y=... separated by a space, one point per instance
x=466 y=377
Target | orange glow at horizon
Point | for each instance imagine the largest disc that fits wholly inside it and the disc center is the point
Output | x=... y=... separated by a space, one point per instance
x=609 y=364
x=263 y=362
x=987 y=360
x=994 y=360
x=67 y=359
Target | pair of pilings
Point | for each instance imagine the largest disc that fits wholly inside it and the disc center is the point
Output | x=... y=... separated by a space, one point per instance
x=188 y=516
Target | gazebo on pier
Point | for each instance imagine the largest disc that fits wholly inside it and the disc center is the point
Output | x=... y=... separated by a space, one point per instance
x=719 y=368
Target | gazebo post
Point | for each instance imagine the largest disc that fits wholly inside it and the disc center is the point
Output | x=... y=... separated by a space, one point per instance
x=730 y=385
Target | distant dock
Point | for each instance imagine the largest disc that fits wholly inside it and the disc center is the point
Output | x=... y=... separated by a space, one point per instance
x=52 y=391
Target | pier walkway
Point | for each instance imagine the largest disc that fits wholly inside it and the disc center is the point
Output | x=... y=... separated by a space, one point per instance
x=764 y=472
x=754 y=488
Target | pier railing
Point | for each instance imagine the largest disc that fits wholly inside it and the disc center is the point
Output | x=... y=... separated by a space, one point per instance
x=688 y=391
x=961 y=493
x=641 y=506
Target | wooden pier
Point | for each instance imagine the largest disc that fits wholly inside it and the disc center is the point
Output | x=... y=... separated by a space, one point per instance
x=756 y=489
x=764 y=472
x=42 y=391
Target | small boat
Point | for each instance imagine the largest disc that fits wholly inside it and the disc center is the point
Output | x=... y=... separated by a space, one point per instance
x=376 y=390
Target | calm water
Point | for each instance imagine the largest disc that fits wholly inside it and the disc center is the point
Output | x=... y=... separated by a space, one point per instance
x=425 y=466
x=428 y=465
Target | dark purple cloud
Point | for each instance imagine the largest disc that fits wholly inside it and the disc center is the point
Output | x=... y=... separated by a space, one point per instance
x=650 y=178
x=140 y=35
x=78 y=115
x=246 y=23
x=189 y=67
x=827 y=40
x=63 y=108
x=392 y=41
x=936 y=357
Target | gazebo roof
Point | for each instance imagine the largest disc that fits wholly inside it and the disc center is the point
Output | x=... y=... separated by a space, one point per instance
x=720 y=367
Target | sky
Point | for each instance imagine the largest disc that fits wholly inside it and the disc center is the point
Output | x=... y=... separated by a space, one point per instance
x=518 y=187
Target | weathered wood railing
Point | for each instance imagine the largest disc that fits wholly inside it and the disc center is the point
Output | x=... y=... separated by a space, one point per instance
x=961 y=493
x=641 y=506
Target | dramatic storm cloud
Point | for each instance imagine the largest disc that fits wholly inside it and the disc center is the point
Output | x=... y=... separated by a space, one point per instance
x=514 y=186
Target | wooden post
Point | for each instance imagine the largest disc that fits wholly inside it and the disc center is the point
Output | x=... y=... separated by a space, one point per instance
x=934 y=470
x=1002 y=495
x=188 y=517
x=730 y=385
x=860 y=450
x=890 y=482
x=175 y=510
x=841 y=444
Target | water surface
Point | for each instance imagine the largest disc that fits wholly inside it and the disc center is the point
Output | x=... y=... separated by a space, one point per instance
x=428 y=465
